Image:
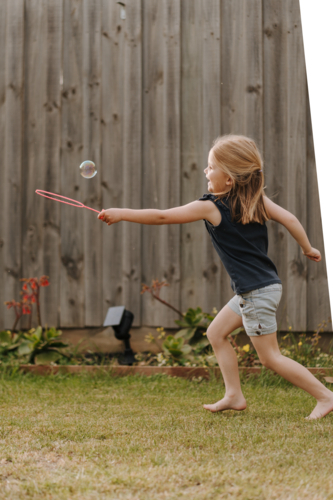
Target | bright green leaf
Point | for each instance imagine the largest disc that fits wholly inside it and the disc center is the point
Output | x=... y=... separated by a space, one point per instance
x=47 y=357
x=26 y=347
x=5 y=337
x=186 y=349
x=38 y=333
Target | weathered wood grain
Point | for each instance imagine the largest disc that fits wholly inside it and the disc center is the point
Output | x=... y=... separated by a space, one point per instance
x=132 y=156
x=200 y=266
x=161 y=153
x=33 y=171
x=192 y=181
x=275 y=126
x=318 y=303
x=41 y=170
x=242 y=69
x=72 y=293
x=3 y=19
x=112 y=149
x=91 y=188
x=52 y=110
x=144 y=97
x=213 y=274
x=13 y=128
x=285 y=149
x=297 y=170
x=241 y=77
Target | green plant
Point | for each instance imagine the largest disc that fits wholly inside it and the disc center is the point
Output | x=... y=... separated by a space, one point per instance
x=305 y=349
x=9 y=344
x=194 y=326
x=175 y=347
x=42 y=346
x=193 y=323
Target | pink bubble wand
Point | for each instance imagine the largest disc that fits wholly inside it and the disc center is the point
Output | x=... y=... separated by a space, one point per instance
x=74 y=203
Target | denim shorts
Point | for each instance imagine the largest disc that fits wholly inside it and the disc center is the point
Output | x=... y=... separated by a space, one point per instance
x=258 y=309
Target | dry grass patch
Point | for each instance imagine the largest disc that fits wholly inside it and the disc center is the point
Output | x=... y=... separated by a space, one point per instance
x=80 y=437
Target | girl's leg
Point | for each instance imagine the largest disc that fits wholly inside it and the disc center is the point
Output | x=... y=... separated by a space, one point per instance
x=224 y=323
x=271 y=357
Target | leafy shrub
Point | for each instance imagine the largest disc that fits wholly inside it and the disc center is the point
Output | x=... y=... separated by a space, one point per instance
x=9 y=344
x=35 y=346
x=42 y=346
x=198 y=352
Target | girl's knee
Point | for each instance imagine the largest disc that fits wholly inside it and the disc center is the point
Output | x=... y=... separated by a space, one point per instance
x=215 y=335
x=269 y=360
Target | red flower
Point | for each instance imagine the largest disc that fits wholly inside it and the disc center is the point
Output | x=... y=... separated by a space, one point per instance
x=25 y=287
x=44 y=281
x=33 y=283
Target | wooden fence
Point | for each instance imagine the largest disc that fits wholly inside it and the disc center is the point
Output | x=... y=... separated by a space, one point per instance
x=143 y=95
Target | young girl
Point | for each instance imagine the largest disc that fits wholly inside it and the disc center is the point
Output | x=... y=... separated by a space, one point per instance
x=235 y=213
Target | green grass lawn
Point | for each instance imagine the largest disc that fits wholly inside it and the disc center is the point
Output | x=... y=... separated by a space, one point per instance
x=80 y=437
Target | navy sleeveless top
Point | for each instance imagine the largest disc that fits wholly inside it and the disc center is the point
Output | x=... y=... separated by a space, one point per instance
x=242 y=249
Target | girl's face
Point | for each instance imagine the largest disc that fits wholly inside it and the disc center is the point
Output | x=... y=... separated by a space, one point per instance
x=218 y=181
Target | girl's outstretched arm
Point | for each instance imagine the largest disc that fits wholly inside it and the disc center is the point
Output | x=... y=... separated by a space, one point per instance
x=295 y=228
x=196 y=210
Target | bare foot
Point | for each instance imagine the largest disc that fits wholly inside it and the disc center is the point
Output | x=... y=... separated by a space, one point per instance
x=322 y=409
x=227 y=403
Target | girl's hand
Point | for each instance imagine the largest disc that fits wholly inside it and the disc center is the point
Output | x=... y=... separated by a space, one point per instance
x=110 y=216
x=314 y=254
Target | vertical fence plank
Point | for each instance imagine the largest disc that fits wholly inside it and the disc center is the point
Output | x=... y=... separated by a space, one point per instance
x=72 y=293
x=161 y=153
x=52 y=108
x=112 y=148
x=242 y=70
x=242 y=76
x=192 y=181
x=201 y=267
x=11 y=271
x=275 y=139
x=318 y=304
x=297 y=185
x=91 y=85
x=41 y=169
x=35 y=110
x=285 y=149
x=132 y=156
x=212 y=272
x=3 y=291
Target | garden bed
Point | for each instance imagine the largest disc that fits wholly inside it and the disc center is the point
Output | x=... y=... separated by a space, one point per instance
x=173 y=371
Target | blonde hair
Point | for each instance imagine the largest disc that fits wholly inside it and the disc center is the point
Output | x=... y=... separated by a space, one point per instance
x=239 y=158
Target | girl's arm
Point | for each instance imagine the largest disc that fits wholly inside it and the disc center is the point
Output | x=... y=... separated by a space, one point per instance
x=196 y=210
x=295 y=228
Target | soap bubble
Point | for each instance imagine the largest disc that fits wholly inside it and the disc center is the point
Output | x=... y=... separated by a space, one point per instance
x=88 y=169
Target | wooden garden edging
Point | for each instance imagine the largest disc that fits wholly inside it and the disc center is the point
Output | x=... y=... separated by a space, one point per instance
x=174 y=371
